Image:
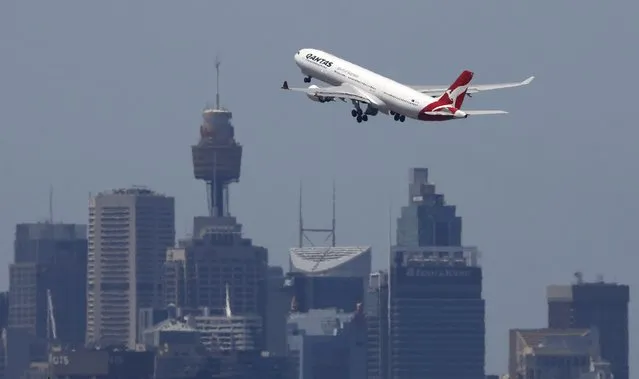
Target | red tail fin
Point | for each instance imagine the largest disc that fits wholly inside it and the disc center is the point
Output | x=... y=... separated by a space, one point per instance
x=456 y=93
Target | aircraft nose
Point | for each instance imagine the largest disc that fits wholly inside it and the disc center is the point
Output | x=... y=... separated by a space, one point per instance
x=298 y=56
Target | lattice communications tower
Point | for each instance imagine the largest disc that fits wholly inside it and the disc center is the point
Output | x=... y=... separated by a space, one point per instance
x=217 y=156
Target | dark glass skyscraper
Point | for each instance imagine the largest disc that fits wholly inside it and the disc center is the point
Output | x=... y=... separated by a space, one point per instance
x=427 y=220
x=377 y=325
x=49 y=257
x=436 y=309
x=595 y=305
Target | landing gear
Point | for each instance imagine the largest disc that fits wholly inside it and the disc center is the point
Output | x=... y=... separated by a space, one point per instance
x=307 y=79
x=359 y=115
x=398 y=117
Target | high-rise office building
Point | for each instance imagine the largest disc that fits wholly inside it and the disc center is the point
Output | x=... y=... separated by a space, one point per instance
x=50 y=260
x=427 y=220
x=200 y=268
x=556 y=353
x=4 y=309
x=326 y=343
x=328 y=277
x=377 y=325
x=129 y=233
x=277 y=307
x=49 y=257
x=437 y=327
x=598 y=305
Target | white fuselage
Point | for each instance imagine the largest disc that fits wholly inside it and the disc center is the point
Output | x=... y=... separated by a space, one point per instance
x=388 y=95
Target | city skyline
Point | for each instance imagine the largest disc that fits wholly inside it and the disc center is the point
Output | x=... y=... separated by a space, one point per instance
x=524 y=182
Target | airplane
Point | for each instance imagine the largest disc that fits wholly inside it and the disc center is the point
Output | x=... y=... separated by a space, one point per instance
x=349 y=81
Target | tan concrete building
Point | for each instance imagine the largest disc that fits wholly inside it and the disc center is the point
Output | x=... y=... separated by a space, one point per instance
x=129 y=233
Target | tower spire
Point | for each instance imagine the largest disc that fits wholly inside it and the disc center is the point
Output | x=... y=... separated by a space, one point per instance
x=51 y=204
x=217 y=82
x=301 y=221
x=333 y=223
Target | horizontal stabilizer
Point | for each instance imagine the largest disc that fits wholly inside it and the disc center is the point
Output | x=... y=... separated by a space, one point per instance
x=481 y=112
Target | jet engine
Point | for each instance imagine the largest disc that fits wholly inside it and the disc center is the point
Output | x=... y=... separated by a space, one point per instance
x=321 y=99
x=371 y=110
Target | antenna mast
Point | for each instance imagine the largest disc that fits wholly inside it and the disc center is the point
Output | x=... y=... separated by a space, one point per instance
x=51 y=204
x=390 y=224
x=217 y=83
x=302 y=230
x=333 y=224
x=301 y=221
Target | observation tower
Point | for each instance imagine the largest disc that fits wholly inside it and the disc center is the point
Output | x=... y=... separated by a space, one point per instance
x=217 y=157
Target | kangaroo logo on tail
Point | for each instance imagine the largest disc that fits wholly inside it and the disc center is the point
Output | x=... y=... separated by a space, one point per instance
x=456 y=93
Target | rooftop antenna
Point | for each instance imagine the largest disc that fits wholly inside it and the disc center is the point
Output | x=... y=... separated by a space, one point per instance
x=51 y=204
x=300 y=221
x=390 y=223
x=217 y=82
x=333 y=223
x=302 y=230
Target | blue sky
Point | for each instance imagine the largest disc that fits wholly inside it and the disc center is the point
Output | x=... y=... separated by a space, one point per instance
x=96 y=95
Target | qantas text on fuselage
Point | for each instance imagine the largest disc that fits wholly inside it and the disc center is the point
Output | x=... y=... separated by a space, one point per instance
x=378 y=93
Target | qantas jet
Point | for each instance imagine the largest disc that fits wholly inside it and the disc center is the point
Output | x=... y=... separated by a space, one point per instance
x=349 y=81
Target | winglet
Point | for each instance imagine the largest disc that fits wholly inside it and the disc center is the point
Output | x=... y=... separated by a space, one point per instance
x=285 y=85
x=527 y=81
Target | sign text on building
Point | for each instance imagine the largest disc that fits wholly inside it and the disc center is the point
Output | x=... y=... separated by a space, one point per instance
x=445 y=273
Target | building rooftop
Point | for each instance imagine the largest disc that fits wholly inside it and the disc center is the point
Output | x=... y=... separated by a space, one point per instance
x=317 y=259
x=134 y=191
x=319 y=321
x=558 y=341
x=439 y=255
x=173 y=326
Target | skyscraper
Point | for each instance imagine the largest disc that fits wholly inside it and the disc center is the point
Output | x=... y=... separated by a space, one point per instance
x=277 y=307
x=377 y=325
x=129 y=233
x=328 y=277
x=427 y=220
x=199 y=269
x=595 y=305
x=437 y=327
x=48 y=259
x=4 y=309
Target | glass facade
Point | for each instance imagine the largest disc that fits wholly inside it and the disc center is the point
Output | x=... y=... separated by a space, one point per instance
x=323 y=292
x=601 y=305
x=427 y=220
x=436 y=310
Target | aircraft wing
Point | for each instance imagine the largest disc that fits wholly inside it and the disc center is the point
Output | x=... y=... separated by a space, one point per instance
x=344 y=91
x=436 y=91
x=472 y=112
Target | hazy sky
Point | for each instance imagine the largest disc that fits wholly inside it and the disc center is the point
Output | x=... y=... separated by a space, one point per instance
x=96 y=95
